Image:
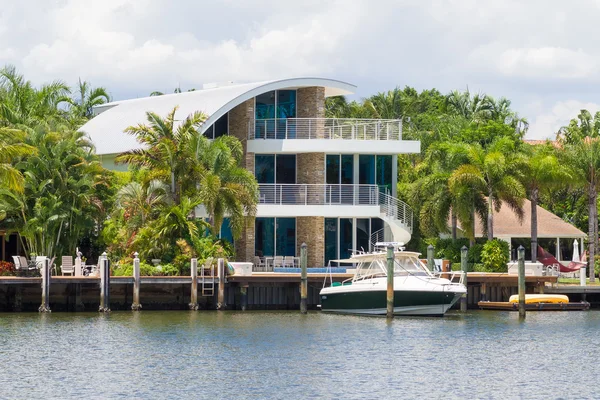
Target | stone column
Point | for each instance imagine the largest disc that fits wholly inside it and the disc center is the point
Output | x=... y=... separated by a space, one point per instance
x=310 y=103
x=241 y=123
x=311 y=230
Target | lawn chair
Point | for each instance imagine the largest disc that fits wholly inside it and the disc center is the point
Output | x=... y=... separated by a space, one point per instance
x=259 y=265
x=25 y=266
x=17 y=263
x=288 y=261
x=67 y=266
x=277 y=261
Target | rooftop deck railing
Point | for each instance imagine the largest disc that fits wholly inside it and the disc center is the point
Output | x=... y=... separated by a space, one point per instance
x=326 y=128
x=325 y=194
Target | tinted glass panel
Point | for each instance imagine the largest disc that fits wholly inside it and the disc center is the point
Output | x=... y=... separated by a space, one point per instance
x=265 y=237
x=264 y=168
x=265 y=105
x=366 y=170
x=333 y=169
x=226 y=231
x=384 y=173
x=363 y=234
x=286 y=168
x=221 y=126
x=347 y=169
x=286 y=237
x=286 y=104
x=331 y=239
x=345 y=237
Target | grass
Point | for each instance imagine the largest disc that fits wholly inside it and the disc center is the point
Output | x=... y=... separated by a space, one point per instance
x=575 y=281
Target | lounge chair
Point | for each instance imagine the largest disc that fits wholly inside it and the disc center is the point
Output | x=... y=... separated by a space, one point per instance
x=277 y=261
x=288 y=261
x=259 y=265
x=67 y=266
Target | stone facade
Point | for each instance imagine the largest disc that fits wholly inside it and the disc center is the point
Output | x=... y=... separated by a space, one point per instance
x=310 y=102
x=241 y=118
x=311 y=230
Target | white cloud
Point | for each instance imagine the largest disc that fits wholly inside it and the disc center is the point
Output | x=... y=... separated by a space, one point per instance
x=547 y=123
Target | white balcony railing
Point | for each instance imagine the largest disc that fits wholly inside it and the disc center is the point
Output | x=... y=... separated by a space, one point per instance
x=306 y=194
x=326 y=128
x=396 y=209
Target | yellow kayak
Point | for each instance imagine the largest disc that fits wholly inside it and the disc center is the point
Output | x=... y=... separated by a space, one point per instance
x=540 y=298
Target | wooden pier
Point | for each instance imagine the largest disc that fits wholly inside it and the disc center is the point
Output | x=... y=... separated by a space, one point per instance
x=260 y=290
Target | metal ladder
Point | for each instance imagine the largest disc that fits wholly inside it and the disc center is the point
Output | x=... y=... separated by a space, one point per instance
x=207 y=286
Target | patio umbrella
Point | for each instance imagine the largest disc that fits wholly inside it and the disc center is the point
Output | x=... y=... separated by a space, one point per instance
x=576 y=251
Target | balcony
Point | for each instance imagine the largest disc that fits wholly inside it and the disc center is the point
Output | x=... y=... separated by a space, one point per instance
x=326 y=128
x=338 y=135
x=318 y=195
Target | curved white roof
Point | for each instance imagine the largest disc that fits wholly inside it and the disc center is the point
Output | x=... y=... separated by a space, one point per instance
x=106 y=130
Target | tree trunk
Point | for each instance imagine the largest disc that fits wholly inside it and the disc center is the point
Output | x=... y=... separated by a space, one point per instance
x=472 y=238
x=490 y=218
x=534 y=224
x=592 y=229
x=454 y=223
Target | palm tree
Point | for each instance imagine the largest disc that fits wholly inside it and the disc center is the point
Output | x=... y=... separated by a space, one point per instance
x=226 y=188
x=581 y=142
x=22 y=104
x=166 y=147
x=542 y=171
x=386 y=105
x=11 y=149
x=473 y=108
x=140 y=201
x=87 y=98
x=495 y=173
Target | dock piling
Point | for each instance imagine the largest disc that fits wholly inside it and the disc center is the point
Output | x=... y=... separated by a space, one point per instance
x=390 y=282
x=45 y=306
x=194 y=290
x=104 y=283
x=136 y=306
x=221 y=276
x=521 y=258
x=303 y=280
x=430 y=260
x=464 y=252
x=244 y=296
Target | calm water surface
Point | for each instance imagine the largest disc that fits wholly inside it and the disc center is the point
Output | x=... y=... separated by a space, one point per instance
x=286 y=355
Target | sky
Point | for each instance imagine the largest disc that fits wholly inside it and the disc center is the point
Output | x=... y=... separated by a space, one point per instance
x=542 y=55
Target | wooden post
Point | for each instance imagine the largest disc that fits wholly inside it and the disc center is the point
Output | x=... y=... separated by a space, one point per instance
x=482 y=292
x=221 y=292
x=464 y=252
x=430 y=261
x=521 y=257
x=136 y=306
x=104 y=283
x=194 y=290
x=303 y=280
x=45 y=306
x=390 y=282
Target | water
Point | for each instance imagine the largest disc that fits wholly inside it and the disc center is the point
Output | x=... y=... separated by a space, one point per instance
x=285 y=355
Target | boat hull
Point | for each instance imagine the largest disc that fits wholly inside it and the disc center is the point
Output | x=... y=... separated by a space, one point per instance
x=374 y=302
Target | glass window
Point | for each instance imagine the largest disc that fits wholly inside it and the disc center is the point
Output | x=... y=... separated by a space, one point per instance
x=286 y=104
x=286 y=168
x=366 y=170
x=547 y=244
x=332 y=169
x=345 y=237
x=363 y=234
x=265 y=105
x=221 y=126
x=384 y=173
x=347 y=169
x=331 y=239
x=265 y=237
x=514 y=245
x=226 y=231
x=264 y=168
x=286 y=237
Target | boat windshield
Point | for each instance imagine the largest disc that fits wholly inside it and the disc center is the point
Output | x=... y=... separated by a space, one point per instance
x=403 y=266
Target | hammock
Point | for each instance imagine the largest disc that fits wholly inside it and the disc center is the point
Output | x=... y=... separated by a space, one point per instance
x=549 y=260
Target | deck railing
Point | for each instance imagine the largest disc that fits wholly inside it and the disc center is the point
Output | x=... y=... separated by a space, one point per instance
x=326 y=128
x=325 y=194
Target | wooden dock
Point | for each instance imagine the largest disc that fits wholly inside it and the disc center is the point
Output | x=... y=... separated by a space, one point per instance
x=260 y=290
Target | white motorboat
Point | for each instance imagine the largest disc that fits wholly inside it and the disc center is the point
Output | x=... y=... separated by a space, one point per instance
x=417 y=291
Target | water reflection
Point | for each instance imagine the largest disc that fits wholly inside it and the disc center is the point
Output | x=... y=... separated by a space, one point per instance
x=288 y=355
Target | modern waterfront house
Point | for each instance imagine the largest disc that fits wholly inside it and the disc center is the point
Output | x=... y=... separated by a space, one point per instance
x=330 y=183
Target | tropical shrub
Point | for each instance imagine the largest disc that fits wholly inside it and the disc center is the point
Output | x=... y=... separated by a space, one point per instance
x=146 y=269
x=7 y=268
x=495 y=255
